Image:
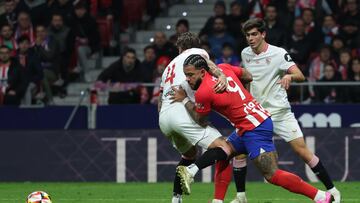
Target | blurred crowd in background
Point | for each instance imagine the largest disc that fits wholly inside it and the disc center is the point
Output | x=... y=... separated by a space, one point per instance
x=47 y=44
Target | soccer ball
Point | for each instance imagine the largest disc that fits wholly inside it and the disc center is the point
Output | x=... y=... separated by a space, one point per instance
x=38 y=197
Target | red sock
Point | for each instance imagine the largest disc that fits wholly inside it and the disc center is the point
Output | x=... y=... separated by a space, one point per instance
x=222 y=177
x=293 y=183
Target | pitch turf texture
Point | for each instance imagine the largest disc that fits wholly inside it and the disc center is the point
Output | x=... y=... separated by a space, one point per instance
x=157 y=192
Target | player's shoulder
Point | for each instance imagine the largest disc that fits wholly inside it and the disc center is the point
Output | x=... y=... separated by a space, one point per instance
x=276 y=49
x=280 y=53
x=225 y=67
x=247 y=50
x=192 y=51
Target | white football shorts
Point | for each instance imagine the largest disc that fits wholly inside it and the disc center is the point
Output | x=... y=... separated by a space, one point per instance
x=182 y=131
x=286 y=126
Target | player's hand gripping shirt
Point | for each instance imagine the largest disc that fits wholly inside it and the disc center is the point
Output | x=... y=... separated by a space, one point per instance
x=173 y=75
x=267 y=68
x=236 y=104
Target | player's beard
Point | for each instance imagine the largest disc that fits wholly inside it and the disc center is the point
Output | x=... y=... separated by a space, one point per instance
x=197 y=84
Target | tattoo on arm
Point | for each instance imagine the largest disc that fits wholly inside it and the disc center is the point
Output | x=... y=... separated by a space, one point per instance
x=267 y=164
x=214 y=70
x=199 y=119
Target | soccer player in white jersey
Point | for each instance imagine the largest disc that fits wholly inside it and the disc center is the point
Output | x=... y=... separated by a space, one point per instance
x=273 y=70
x=174 y=121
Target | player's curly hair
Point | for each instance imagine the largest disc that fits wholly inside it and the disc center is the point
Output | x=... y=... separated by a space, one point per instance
x=254 y=23
x=197 y=61
x=187 y=40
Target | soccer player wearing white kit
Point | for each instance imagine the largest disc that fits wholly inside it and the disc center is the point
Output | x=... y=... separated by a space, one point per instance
x=174 y=121
x=273 y=70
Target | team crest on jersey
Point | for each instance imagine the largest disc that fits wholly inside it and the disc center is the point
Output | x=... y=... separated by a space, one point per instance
x=199 y=106
x=287 y=57
x=268 y=60
x=247 y=60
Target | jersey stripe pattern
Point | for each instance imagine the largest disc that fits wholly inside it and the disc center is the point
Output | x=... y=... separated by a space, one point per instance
x=236 y=104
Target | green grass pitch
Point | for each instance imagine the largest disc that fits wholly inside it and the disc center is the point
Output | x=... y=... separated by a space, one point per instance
x=257 y=192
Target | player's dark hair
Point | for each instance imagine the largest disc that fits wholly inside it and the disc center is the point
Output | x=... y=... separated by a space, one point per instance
x=187 y=40
x=197 y=61
x=257 y=23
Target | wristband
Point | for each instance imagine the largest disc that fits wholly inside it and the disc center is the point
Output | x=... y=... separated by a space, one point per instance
x=184 y=101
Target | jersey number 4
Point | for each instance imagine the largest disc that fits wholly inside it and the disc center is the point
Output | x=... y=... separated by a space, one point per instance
x=170 y=75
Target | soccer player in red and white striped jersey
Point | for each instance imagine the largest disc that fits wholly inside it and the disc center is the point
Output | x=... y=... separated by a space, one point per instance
x=253 y=128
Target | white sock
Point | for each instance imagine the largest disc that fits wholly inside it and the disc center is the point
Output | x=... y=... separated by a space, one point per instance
x=176 y=199
x=320 y=195
x=217 y=201
x=240 y=194
x=332 y=190
x=192 y=169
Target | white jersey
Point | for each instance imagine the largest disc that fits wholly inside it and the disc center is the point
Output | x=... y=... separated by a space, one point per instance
x=173 y=76
x=267 y=68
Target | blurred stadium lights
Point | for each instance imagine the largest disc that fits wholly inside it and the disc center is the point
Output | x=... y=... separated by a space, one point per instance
x=151 y=40
x=184 y=13
x=201 y=1
x=168 y=27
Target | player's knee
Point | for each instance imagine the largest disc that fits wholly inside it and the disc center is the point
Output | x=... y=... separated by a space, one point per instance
x=268 y=177
x=219 y=142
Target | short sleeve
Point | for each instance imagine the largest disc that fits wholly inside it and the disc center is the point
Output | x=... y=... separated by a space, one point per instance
x=285 y=61
x=243 y=59
x=203 y=102
x=237 y=70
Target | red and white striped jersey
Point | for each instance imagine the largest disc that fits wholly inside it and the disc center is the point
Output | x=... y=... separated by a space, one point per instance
x=236 y=104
